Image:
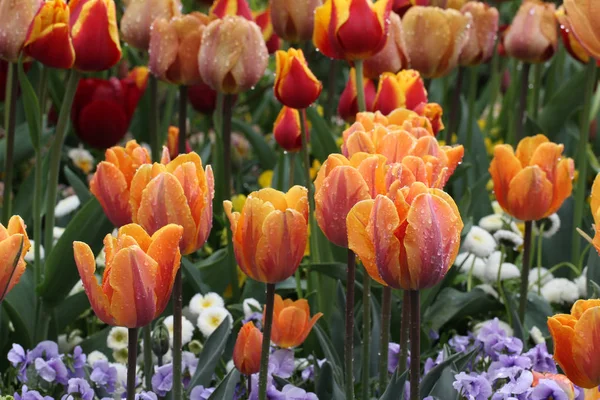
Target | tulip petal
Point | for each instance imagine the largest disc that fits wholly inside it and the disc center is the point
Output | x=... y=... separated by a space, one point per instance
x=582 y=15
x=359 y=239
x=111 y=189
x=9 y=249
x=138 y=233
x=297 y=199
x=527 y=147
x=563 y=184
x=372 y=170
x=289 y=323
x=383 y=223
x=503 y=168
x=585 y=343
x=164 y=249
x=529 y=194
x=396 y=145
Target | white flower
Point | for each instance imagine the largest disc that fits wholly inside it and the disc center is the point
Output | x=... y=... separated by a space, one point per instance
x=82 y=159
x=535 y=274
x=117 y=338
x=489 y=289
x=560 y=291
x=479 y=242
x=550 y=224
x=187 y=329
x=101 y=258
x=77 y=288
x=466 y=262
x=66 y=206
x=30 y=255
x=120 y=355
x=211 y=318
x=501 y=324
x=507 y=270
x=509 y=238
x=492 y=222
x=581 y=282
x=121 y=375
x=536 y=335
x=66 y=343
x=497 y=208
x=229 y=366
x=57 y=232
x=94 y=357
x=200 y=302
x=251 y=306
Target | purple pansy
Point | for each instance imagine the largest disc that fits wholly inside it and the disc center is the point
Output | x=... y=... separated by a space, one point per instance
x=104 y=375
x=162 y=381
x=472 y=386
x=547 y=389
x=281 y=363
x=541 y=360
x=79 y=387
x=201 y=393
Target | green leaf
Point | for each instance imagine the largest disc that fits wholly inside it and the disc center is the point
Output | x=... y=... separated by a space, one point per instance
x=443 y=388
x=81 y=189
x=23 y=203
x=519 y=330
x=323 y=142
x=395 y=389
x=97 y=341
x=325 y=385
x=211 y=354
x=538 y=311
x=226 y=388
x=429 y=381
x=329 y=351
x=335 y=270
x=31 y=106
x=20 y=306
x=265 y=154
x=23 y=148
x=207 y=275
x=593 y=269
x=90 y=225
x=70 y=309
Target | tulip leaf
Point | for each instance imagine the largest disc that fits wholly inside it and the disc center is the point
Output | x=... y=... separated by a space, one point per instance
x=326 y=386
x=23 y=147
x=97 y=341
x=32 y=108
x=395 y=389
x=323 y=142
x=329 y=351
x=263 y=151
x=211 y=354
x=90 y=225
x=430 y=380
x=23 y=203
x=593 y=271
x=70 y=309
x=80 y=188
x=226 y=389
x=206 y=275
x=19 y=304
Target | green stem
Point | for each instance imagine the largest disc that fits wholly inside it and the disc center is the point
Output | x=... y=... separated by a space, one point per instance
x=182 y=119
x=297 y=277
x=471 y=97
x=12 y=83
x=386 y=314
x=38 y=188
x=470 y=275
x=331 y=80
x=360 y=89
x=349 y=338
x=537 y=82
x=525 y=271
x=520 y=117
x=582 y=164
x=264 y=355
x=404 y=332
x=366 y=339
x=131 y=363
x=494 y=89
x=148 y=367
x=415 y=345
x=455 y=109
x=154 y=123
x=501 y=288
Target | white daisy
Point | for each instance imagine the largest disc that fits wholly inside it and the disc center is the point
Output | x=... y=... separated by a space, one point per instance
x=120 y=356
x=94 y=357
x=251 y=306
x=469 y=262
x=117 y=338
x=479 y=242
x=82 y=159
x=66 y=206
x=550 y=225
x=200 y=302
x=536 y=335
x=507 y=270
x=57 y=232
x=30 y=255
x=211 y=318
x=560 y=291
x=509 y=238
x=187 y=329
x=492 y=222
x=501 y=324
x=534 y=278
x=66 y=343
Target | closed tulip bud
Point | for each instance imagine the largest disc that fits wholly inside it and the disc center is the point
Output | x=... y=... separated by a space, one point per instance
x=568 y=37
x=160 y=339
x=352 y=29
x=533 y=183
x=14 y=244
x=246 y=353
x=575 y=338
x=15 y=19
x=480 y=45
x=403 y=90
x=233 y=55
x=348 y=103
x=393 y=57
x=434 y=55
x=181 y=193
x=221 y=8
x=286 y=129
x=291 y=322
x=407 y=239
x=294 y=21
x=139 y=16
x=174 y=47
x=173 y=142
x=532 y=37
x=295 y=84
x=138 y=278
x=203 y=98
x=263 y=20
x=50 y=30
x=433 y=112
x=585 y=23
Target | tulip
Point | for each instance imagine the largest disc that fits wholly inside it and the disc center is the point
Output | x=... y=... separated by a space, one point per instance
x=400 y=7
x=595 y=208
x=221 y=8
x=568 y=37
x=433 y=112
x=294 y=21
x=50 y=29
x=291 y=322
x=434 y=55
x=95 y=34
x=480 y=45
x=102 y=109
x=393 y=57
x=561 y=380
x=532 y=184
x=174 y=47
x=407 y=239
x=180 y=192
x=585 y=22
x=173 y=142
x=139 y=16
x=295 y=84
x=348 y=104
x=15 y=19
x=203 y=98
x=352 y=29
x=12 y=238
x=576 y=340
x=270 y=233
x=287 y=129
x=246 y=353
x=112 y=180
x=403 y=90
x=138 y=277
x=233 y=55
x=263 y=20
x=532 y=37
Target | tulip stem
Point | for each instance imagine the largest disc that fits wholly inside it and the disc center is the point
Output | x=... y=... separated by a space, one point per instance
x=535 y=99
x=520 y=118
x=386 y=314
x=494 y=89
x=148 y=356
x=582 y=162
x=525 y=270
x=366 y=340
x=154 y=122
x=12 y=83
x=454 y=111
x=360 y=89
x=404 y=332
x=472 y=94
x=131 y=363
x=415 y=345
x=349 y=339
x=331 y=81
x=266 y=343
x=182 y=119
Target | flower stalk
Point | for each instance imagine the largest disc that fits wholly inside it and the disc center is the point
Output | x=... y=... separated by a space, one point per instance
x=349 y=338
x=10 y=113
x=525 y=270
x=266 y=343
x=131 y=362
x=386 y=314
x=520 y=118
x=415 y=345
x=404 y=332
x=366 y=339
x=154 y=123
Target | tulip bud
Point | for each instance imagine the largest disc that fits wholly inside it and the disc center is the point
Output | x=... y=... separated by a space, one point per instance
x=434 y=55
x=532 y=37
x=291 y=322
x=160 y=339
x=202 y=98
x=482 y=37
x=246 y=353
x=139 y=16
x=403 y=90
x=14 y=244
x=221 y=8
x=233 y=55
x=595 y=208
x=348 y=103
x=392 y=58
x=568 y=37
x=433 y=112
x=195 y=346
x=174 y=47
x=15 y=19
x=585 y=22
x=263 y=20
x=294 y=20
x=173 y=142
x=295 y=84
x=287 y=129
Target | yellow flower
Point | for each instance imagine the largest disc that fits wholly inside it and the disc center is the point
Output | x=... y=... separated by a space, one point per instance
x=238 y=201
x=82 y=159
x=241 y=280
x=316 y=165
x=481 y=122
x=265 y=179
x=320 y=110
x=490 y=185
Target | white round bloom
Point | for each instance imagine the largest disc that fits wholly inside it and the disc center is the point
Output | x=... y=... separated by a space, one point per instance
x=535 y=274
x=581 y=282
x=501 y=324
x=497 y=208
x=492 y=222
x=550 y=225
x=121 y=375
x=121 y=356
x=117 y=338
x=30 y=255
x=82 y=159
x=469 y=262
x=200 y=302
x=66 y=343
x=187 y=329
x=489 y=289
x=509 y=238
x=506 y=270
x=229 y=366
x=57 y=232
x=66 y=206
x=251 y=306
x=94 y=357
x=479 y=242
x=536 y=335
x=211 y=318
x=560 y=291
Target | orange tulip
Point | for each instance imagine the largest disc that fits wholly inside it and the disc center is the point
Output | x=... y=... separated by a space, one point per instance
x=351 y=29
x=595 y=208
x=480 y=45
x=348 y=103
x=407 y=239
x=295 y=84
x=393 y=57
x=533 y=183
x=95 y=34
x=562 y=381
x=294 y=20
x=263 y=20
x=568 y=37
x=15 y=19
x=433 y=112
x=138 y=277
x=50 y=29
x=403 y=90
x=270 y=233
x=434 y=55
x=221 y=8
x=11 y=238
x=139 y=16
x=576 y=341
x=173 y=142
x=246 y=353
x=291 y=322
x=532 y=37
x=180 y=192
x=286 y=129
x=585 y=22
